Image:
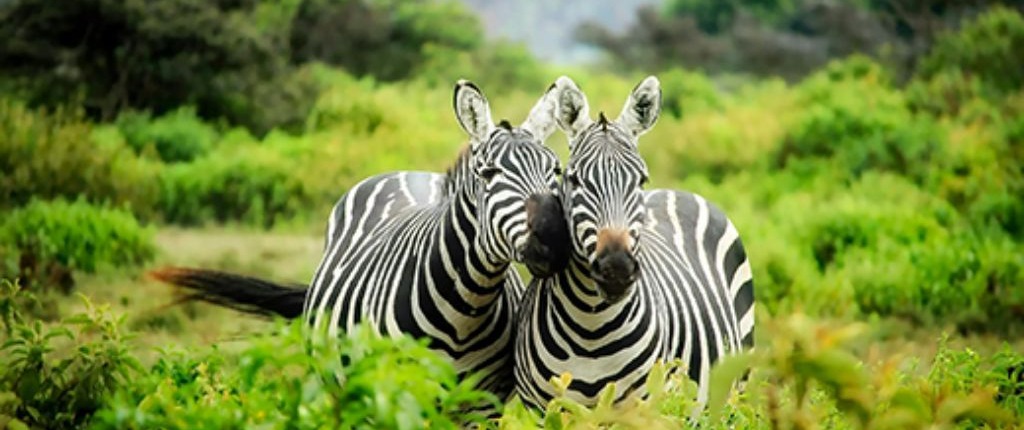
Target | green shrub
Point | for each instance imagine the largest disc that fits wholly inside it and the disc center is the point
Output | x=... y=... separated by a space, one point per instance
x=77 y=235
x=990 y=48
x=948 y=92
x=807 y=374
x=980 y=173
x=897 y=251
x=685 y=92
x=498 y=67
x=854 y=121
x=176 y=136
x=704 y=131
x=58 y=376
x=361 y=381
x=255 y=185
x=52 y=154
x=349 y=102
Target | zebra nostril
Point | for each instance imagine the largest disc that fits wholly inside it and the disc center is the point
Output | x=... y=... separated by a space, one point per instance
x=615 y=266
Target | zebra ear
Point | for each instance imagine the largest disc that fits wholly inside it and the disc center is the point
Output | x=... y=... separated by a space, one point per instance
x=642 y=107
x=473 y=112
x=541 y=121
x=572 y=113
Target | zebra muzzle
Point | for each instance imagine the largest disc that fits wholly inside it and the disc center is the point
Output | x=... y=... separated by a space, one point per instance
x=547 y=246
x=614 y=272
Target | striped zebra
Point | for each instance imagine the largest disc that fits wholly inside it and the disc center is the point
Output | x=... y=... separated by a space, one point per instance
x=428 y=255
x=654 y=275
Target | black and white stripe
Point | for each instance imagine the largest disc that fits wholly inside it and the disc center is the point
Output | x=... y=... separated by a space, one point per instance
x=429 y=255
x=656 y=275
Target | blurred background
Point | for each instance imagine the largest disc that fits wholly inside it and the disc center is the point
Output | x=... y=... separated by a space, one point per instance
x=871 y=152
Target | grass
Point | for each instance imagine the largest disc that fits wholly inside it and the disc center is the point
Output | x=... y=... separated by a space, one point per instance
x=151 y=308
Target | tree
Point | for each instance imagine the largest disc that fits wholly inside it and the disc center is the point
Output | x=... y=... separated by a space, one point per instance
x=139 y=54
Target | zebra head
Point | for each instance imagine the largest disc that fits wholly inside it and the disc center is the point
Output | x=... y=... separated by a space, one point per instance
x=603 y=186
x=516 y=182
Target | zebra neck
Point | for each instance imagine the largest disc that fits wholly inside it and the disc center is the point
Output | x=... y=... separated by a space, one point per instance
x=580 y=289
x=472 y=266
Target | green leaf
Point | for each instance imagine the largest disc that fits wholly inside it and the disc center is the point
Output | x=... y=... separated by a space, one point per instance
x=723 y=376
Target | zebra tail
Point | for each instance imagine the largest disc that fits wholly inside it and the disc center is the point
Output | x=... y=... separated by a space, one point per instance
x=238 y=292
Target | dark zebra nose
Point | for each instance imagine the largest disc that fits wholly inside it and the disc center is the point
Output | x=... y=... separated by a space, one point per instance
x=547 y=244
x=615 y=271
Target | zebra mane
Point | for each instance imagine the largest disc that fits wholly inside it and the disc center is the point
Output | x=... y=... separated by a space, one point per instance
x=457 y=171
x=603 y=120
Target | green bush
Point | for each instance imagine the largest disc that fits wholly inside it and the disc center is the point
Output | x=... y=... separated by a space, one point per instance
x=807 y=374
x=361 y=381
x=177 y=136
x=980 y=173
x=966 y=281
x=854 y=121
x=256 y=185
x=348 y=103
x=685 y=92
x=989 y=48
x=497 y=67
x=58 y=376
x=52 y=154
x=77 y=235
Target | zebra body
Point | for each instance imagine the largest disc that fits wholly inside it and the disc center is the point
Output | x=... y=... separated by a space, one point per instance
x=406 y=264
x=428 y=255
x=656 y=275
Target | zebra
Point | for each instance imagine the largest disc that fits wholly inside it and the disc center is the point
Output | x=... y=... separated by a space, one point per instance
x=654 y=275
x=428 y=255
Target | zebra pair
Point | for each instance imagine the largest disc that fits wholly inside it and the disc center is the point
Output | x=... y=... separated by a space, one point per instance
x=653 y=275
x=428 y=255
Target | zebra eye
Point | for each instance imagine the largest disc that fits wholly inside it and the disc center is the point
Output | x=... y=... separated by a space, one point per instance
x=488 y=172
x=572 y=178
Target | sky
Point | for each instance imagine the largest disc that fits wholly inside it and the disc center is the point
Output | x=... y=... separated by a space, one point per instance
x=546 y=26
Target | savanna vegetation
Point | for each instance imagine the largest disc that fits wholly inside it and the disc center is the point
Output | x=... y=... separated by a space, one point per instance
x=880 y=196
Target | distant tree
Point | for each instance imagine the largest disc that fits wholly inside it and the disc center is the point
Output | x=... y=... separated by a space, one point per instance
x=383 y=38
x=139 y=54
x=237 y=60
x=787 y=38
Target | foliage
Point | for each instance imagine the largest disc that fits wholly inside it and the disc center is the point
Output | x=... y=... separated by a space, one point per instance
x=857 y=122
x=58 y=376
x=807 y=374
x=499 y=67
x=176 y=136
x=360 y=381
x=988 y=48
x=386 y=39
x=120 y=55
x=75 y=235
x=787 y=38
x=51 y=154
x=256 y=186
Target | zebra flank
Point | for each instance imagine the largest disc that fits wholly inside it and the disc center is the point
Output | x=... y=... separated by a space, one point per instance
x=654 y=275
